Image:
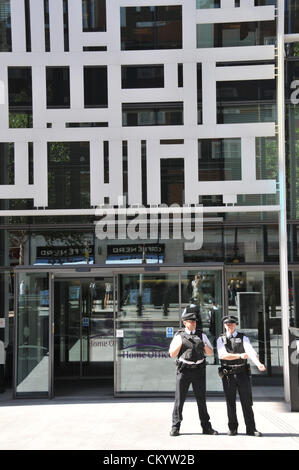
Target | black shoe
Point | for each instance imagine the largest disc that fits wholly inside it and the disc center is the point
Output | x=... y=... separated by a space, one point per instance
x=232 y=432
x=210 y=431
x=254 y=433
x=174 y=432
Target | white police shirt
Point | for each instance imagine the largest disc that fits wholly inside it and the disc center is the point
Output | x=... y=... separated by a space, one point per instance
x=177 y=340
x=221 y=349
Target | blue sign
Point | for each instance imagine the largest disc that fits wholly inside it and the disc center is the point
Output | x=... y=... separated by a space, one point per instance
x=169 y=332
x=85 y=321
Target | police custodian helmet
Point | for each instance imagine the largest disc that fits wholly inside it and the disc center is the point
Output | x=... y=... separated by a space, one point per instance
x=189 y=314
x=230 y=319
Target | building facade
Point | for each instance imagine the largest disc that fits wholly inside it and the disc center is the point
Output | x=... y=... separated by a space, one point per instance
x=141 y=169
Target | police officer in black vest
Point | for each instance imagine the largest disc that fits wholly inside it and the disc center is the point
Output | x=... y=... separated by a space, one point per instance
x=233 y=350
x=190 y=345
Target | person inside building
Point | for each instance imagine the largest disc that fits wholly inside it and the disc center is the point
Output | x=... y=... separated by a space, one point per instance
x=190 y=346
x=234 y=349
x=195 y=309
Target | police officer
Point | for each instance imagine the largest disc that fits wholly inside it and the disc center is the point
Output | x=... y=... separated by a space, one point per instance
x=190 y=345
x=233 y=350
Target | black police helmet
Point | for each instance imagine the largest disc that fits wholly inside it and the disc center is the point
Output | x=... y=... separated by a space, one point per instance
x=189 y=314
x=230 y=319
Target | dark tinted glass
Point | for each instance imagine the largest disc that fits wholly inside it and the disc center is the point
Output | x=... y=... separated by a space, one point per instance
x=142 y=76
x=95 y=87
x=6 y=163
x=68 y=175
x=152 y=114
x=172 y=181
x=5 y=26
x=219 y=159
x=58 y=87
x=94 y=15
x=151 y=27
x=254 y=33
x=20 y=97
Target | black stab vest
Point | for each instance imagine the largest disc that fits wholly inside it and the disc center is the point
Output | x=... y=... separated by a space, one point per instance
x=233 y=345
x=192 y=346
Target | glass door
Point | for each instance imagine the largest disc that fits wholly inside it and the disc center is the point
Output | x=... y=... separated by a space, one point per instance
x=148 y=314
x=97 y=327
x=32 y=345
x=146 y=318
x=83 y=328
x=204 y=289
x=67 y=328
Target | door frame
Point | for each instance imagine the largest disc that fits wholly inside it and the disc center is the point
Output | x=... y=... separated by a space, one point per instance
x=90 y=271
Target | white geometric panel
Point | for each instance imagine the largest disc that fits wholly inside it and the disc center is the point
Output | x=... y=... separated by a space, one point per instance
x=113 y=58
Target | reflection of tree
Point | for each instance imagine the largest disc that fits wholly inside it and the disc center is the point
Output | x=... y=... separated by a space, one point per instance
x=17 y=240
x=20 y=120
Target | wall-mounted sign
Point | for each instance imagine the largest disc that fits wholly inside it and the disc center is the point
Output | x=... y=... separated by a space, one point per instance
x=149 y=252
x=64 y=254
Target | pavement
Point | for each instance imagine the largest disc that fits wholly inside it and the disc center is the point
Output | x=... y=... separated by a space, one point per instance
x=105 y=423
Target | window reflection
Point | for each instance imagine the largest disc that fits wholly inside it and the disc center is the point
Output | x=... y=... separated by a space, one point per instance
x=5 y=26
x=152 y=114
x=236 y=34
x=219 y=159
x=151 y=27
x=254 y=297
x=20 y=97
x=142 y=76
x=68 y=175
x=94 y=15
x=58 y=87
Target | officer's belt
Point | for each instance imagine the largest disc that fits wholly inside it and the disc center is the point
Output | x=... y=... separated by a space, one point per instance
x=187 y=365
x=233 y=369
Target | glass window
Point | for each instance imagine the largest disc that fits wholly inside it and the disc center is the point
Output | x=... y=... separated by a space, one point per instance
x=292 y=151
x=271 y=244
x=211 y=250
x=95 y=87
x=257 y=97
x=172 y=181
x=294 y=300
x=151 y=27
x=20 y=97
x=94 y=15
x=204 y=289
x=236 y=34
x=254 y=297
x=7 y=313
x=5 y=26
x=7 y=163
x=33 y=334
x=219 y=159
x=292 y=16
x=207 y=4
x=243 y=244
x=152 y=114
x=142 y=76
x=58 y=87
x=61 y=247
x=266 y=158
x=147 y=317
x=68 y=175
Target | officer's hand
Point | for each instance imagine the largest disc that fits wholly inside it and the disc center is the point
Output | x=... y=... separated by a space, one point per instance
x=244 y=356
x=262 y=368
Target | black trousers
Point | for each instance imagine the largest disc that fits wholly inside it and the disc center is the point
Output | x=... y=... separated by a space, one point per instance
x=241 y=383
x=196 y=377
